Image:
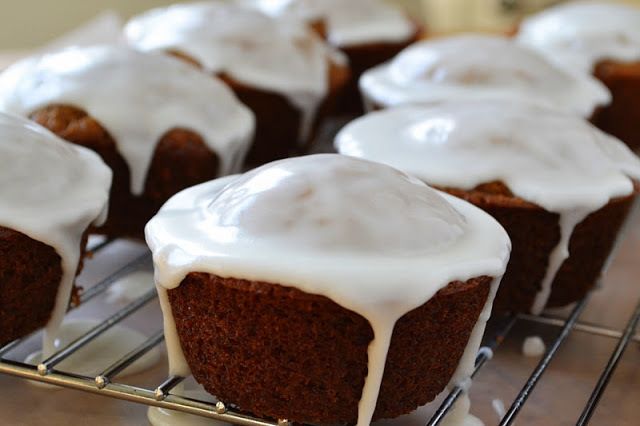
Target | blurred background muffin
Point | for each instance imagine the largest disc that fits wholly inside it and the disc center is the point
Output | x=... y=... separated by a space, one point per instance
x=161 y=125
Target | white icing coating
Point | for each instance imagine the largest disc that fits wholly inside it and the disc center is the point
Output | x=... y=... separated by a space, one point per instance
x=557 y=161
x=51 y=191
x=277 y=56
x=108 y=348
x=348 y=23
x=578 y=35
x=533 y=346
x=338 y=235
x=479 y=67
x=137 y=97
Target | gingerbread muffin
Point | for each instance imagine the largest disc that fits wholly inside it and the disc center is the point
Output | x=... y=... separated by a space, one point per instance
x=369 y=32
x=598 y=38
x=50 y=193
x=161 y=125
x=559 y=186
x=280 y=69
x=479 y=67
x=348 y=290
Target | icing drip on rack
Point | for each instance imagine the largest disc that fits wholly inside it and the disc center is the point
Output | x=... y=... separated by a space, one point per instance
x=479 y=67
x=51 y=191
x=336 y=238
x=349 y=23
x=557 y=161
x=280 y=56
x=137 y=97
x=578 y=35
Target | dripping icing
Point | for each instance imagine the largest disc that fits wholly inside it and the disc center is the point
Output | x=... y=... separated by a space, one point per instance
x=281 y=56
x=191 y=233
x=137 y=97
x=51 y=191
x=559 y=162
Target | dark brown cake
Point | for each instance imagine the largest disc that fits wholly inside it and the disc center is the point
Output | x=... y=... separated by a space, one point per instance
x=279 y=352
x=534 y=232
x=181 y=159
x=277 y=121
x=30 y=273
x=621 y=117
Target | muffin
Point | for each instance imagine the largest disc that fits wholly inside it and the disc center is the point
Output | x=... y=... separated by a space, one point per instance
x=598 y=38
x=290 y=270
x=369 y=32
x=281 y=70
x=50 y=193
x=161 y=125
x=559 y=186
x=479 y=67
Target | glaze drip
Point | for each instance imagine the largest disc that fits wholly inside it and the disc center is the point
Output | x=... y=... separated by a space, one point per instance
x=557 y=161
x=224 y=227
x=250 y=47
x=51 y=191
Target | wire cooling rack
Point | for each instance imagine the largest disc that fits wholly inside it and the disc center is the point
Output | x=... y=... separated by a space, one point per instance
x=106 y=384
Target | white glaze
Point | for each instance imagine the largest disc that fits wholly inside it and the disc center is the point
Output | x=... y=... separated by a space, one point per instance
x=108 y=348
x=51 y=191
x=348 y=23
x=479 y=67
x=557 y=161
x=137 y=97
x=337 y=237
x=578 y=35
x=533 y=346
x=277 y=56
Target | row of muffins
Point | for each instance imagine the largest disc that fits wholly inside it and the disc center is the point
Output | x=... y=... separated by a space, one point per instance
x=269 y=191
x=502 y=128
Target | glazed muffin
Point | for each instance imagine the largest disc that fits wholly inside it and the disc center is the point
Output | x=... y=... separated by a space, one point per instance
x=50 y=193
x=161 y=125
x=479 y=67
x=559 y=186
x=369 y=32
x=281 y=70
x=290 y=270
x=598 y=38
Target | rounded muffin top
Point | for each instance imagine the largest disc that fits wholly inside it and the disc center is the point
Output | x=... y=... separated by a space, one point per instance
x=580 y=34
x=364 y=235
x=348 y=23
x=305 y=219
x=245 y=44
x=137 y=97
x=48 y=187
x=479 y=67
x=555 y=160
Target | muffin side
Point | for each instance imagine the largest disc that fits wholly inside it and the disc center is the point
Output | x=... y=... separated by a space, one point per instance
x=307 y=355
x=180 y=159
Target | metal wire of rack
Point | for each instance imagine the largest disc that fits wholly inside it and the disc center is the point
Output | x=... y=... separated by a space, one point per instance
x=162 y=396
